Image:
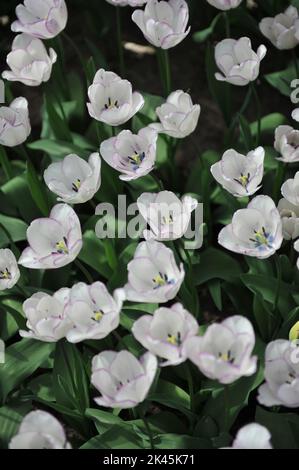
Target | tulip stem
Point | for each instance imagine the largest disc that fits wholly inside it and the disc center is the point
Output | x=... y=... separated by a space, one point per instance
x=226 y=408
x=295 y=61
x=148 y=429
x=227 y=24
x=279 y=177
x=279 y=279
x=5 y=163
x=191 y=387
x=259 y=115
x=165 y=72
x=119 y=42
x=84 y=271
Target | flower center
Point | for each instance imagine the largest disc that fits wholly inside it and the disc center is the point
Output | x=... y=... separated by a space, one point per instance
x=292 y=377
x=98 y=315
x=5 y=274
x=261 y=238
x=136 y=159
x=243 y=180
x=167 y=220
x=76 y=185
x=161 y=280
x=61 y=247
x=111 y=104
x=226 y=357
x=174 y=339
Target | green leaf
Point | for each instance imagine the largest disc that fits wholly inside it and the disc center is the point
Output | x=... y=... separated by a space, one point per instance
x=10 y=420
x=21 y=360
x=204 y=34
x=117 y=437
x=268 y=123
x=93 y=254
x=282 y=80
x=216 y=264
x=15 y=227
x=175 y=441
x=57 y=149
x=37 y=189
x=283 y=427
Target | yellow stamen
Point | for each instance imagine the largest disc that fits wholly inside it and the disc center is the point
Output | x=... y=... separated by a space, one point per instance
x=244 y=180
x=172 y=340
x=159 y=280
x=98 y=315
x=61 y=247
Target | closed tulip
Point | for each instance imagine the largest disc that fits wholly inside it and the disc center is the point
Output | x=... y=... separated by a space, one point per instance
x=14 y=123
x=224 y=4
x=281 y=30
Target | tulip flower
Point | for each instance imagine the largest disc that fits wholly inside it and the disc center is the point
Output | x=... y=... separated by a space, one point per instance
x=295 y=114
x=252 y=436
x=73 y=179
x=40 y=430
x=9 y=270
x=93 y=311
x=255 y=231
x=281 y=375
x=54 y=241
x=122 y=380
x=287 y=144
x=167 y=216
x=165 y=332
x=29 y=61
x=289 y=214
x=224 y=4
x=14 y=123
x=290 y=190
x=237 y=61
x=223 y=353
x=133 y=155
x=153 y=275
x=124 y=3
x=239 y=174
x=46 y=316
x=281 y=30
x=178 y=116
x=163 y=24
x=42 y=19
x=112 y=100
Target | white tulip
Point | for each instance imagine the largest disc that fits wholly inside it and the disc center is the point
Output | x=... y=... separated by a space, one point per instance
x=281 y=30
x=153 y=275
x=255 y=231
x=165 y=332
x=54 y=241
x=29 y=61
x=14 y=123
x=224 y=4
x=289 y=214
x=167 y=216
x=295 y=114
x=46 y=316
x=287 y=144
x=178 y=116
x=73 y=179
x=252 y=436
x=163 y=23
x=281 y=375
x=133 y=155
x=122 y=380
x=40 y=430
x=223 y=353
x=237 y=61
x=124 y=3
x=9 y=270
x=290 y=190
x=239 y=174
x=42 y=19
x=93 y=311
x=112 y=100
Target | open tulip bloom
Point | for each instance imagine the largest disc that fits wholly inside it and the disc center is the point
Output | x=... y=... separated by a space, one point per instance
x=178 y=116
x=282 y=29
x=281 y=375
x=237 y=61
x=93 y=312
x=73 y=179
x=289 y=214
x=167 y=216
x=224 y=4
x=133 y=155
x=9 y=270
x=14 y=123
x=40 y=430
x=153 y=275
x=42 y=19
x=122 y=380
x=255 y=231
x=240 y=175
x=223 y=353
x=287 y=144
x=54 y=241
x=163 y=23
x=29 y=61
x=165 y=333
x=252 y=436
x=112 y=100
x=290 y=190
x=46 y=316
